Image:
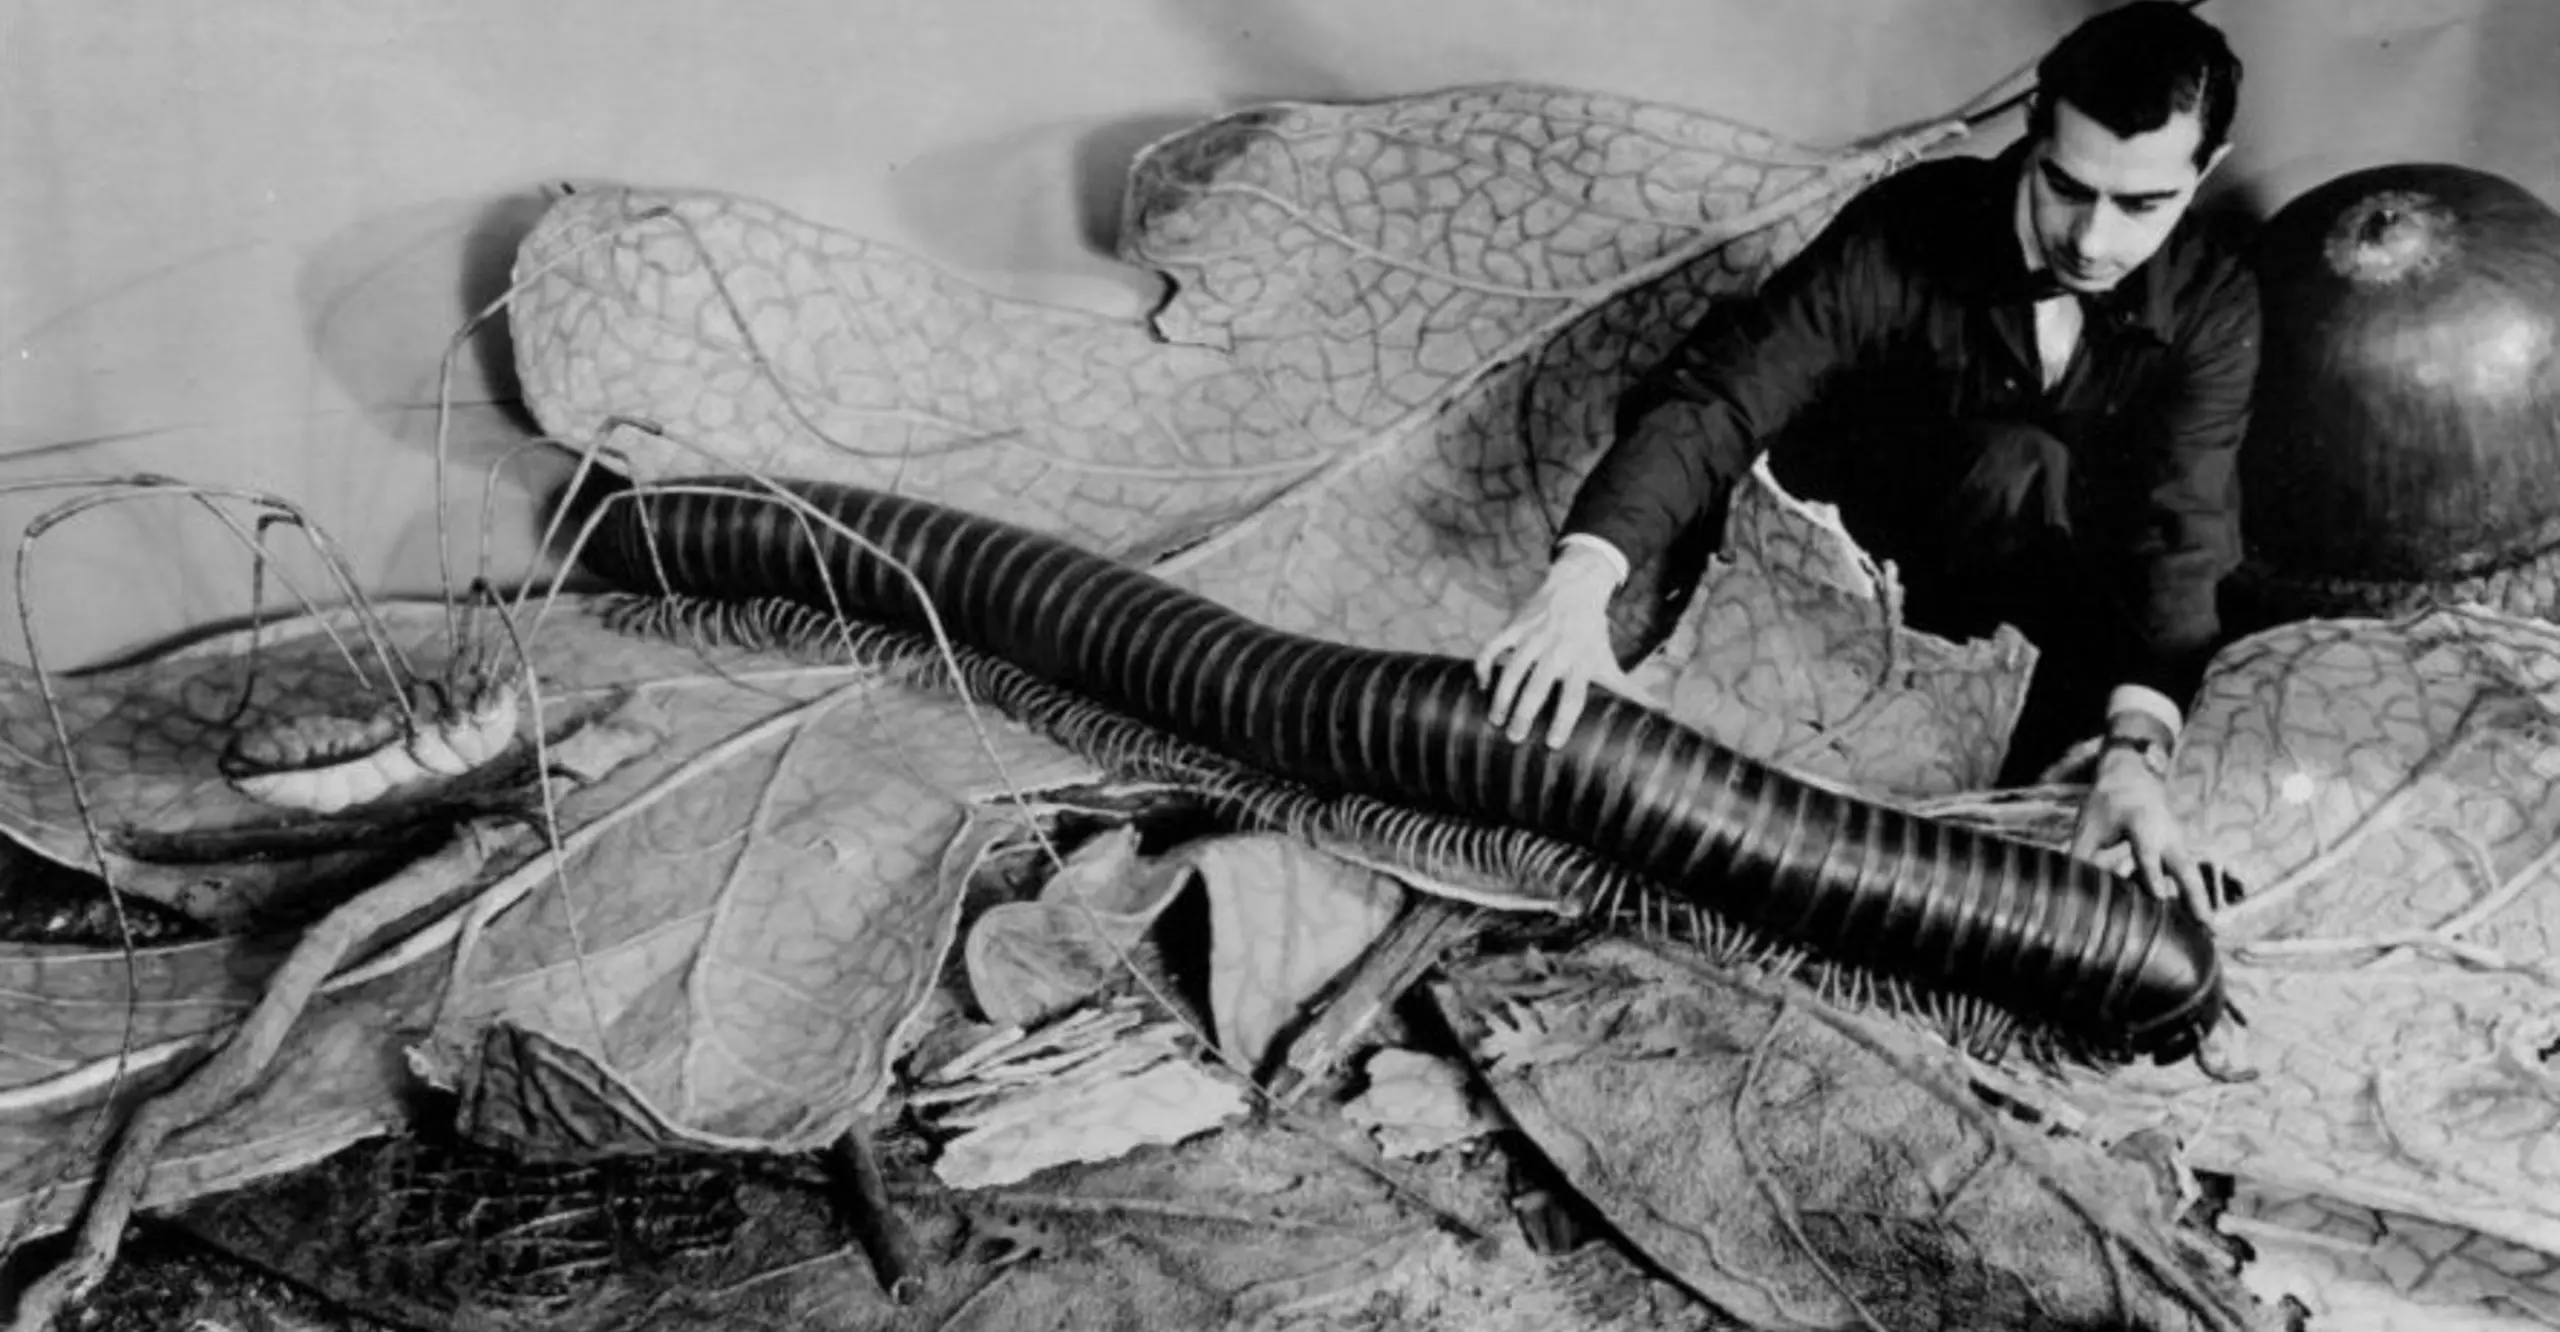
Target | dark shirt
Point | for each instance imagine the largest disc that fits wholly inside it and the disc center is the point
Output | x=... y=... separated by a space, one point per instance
x=1916 y=304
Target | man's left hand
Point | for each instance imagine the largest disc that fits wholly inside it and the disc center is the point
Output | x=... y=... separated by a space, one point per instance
x=2129 y=803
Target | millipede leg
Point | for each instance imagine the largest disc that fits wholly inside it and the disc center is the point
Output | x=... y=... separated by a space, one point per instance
x=1831 y=874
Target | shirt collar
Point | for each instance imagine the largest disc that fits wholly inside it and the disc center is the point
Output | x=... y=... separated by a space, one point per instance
x=2013 y=272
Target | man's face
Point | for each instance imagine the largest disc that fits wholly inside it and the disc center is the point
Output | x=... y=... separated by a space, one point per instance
x=2100 y=205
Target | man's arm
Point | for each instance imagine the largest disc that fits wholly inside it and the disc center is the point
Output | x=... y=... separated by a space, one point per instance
x=2189 y=540
x=1691 y=426
x=1685 y=431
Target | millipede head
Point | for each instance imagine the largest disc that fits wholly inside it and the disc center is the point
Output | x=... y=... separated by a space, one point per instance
x=2173 y=998
x=2179 y=1032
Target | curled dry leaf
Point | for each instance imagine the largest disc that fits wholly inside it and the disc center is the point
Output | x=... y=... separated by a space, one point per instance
x=1089 y=1086
x=1164 y=1102
x=1027 y=961
x=1793 y=649
x=1285 y=919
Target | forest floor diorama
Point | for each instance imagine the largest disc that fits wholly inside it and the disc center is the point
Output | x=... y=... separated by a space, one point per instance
x=746 y=986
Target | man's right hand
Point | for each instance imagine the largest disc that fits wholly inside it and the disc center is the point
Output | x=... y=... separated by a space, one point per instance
x=1557 y=646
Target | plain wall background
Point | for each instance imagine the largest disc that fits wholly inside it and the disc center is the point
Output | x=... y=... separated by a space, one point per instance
x=240 y=235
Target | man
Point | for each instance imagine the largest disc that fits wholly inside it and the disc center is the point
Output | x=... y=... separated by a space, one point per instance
x=2023 y=379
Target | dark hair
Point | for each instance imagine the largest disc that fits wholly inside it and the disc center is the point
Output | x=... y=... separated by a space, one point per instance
x=2133 y=67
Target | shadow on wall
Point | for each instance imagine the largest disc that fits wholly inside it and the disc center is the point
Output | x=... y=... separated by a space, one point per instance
x=382 y=301
x=1260 y=50
x=2513 y=135
x=1039 y=209
x=2331 y=88
x=1254 y=50
x=488 y=269
x=1034 y=212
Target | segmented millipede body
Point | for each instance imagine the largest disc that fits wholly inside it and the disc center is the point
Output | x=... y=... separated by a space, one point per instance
x=2049 y=938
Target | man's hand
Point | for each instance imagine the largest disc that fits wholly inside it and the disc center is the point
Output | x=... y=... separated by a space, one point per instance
x=1558 y=645
x=2128 y=802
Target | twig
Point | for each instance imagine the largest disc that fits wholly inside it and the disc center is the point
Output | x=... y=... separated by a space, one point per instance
x=2008 y=805
x=1413 y=944
x=2503 y=894
x=970 y=1301
x=873 y=1217
x=2478 y=955
x=1156 y=1208
x=2378 y=1098
x=236 y=1067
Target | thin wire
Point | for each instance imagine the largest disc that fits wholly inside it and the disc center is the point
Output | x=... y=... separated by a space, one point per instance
x=2020 y=98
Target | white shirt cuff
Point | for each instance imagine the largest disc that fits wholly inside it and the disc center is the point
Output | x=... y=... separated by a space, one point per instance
x=1616 y=558
x=2148 y=702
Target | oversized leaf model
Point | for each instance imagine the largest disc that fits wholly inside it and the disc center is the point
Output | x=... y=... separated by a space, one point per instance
x=1324 y=427
x=749 y=911
x=2393 y=791
x=1393 y=335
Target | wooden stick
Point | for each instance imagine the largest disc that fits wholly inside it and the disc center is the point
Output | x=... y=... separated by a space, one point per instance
x=863 y=1198
x=1396 y=959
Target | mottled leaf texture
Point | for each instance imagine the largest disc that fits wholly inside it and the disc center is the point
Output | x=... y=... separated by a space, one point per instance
x=2361 y=1270
x=743 y=952
x=2382 y=783
x=1806 y=1173
x=751 y=914
x=1395 y=333
x=1448 y=292
x=1793 y=649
